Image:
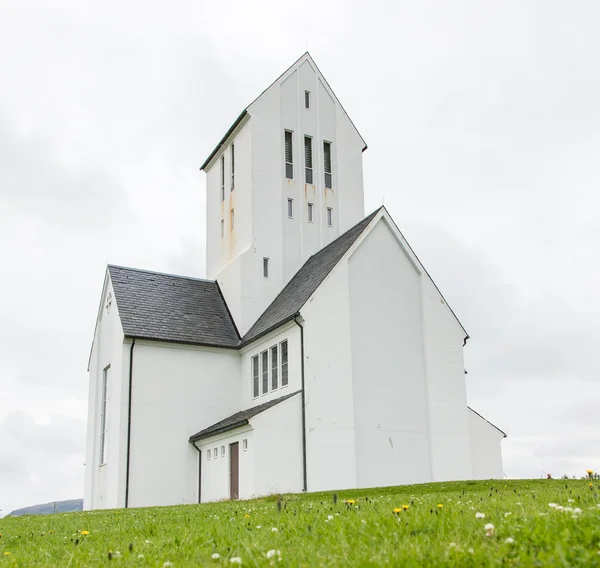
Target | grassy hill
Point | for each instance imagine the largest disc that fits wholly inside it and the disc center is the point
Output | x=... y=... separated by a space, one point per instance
x=67 y=506
x=524 y=523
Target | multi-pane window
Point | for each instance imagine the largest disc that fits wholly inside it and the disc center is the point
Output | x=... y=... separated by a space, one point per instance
x=308 y=161
x=255 y=384
x=284 y=363
x=329 y=217
x=264 y=364
x=306 y=99
x=223 y=178
x=274 y=368
x=290 y=208
x=232 y=167
x=327 y=164
x=310 y=212
x=103 y=420
x=289 y=156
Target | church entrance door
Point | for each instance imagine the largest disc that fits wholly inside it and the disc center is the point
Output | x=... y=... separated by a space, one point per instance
x=234 y=470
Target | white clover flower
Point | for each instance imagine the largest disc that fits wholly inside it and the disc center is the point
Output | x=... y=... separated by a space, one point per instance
x=576 y=510
x=509 y=540
x=273 y=553
x=470 y=551
x=452 y=545
x=274 y=529
x=364 y=522
x=330 y=517
x=489 y=529
x=259 y=526
x=140 y=556
x=553 y=505
x=216 y=556
x=507 y=514
x=480 y=515
x=167 y=564
x=235 y=560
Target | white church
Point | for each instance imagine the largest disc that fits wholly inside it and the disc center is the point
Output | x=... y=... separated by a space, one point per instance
x=318 y=355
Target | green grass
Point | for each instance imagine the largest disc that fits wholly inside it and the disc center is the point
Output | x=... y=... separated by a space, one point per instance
x=314 y=530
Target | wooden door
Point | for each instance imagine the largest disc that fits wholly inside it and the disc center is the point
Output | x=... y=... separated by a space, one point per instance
x=234 y=470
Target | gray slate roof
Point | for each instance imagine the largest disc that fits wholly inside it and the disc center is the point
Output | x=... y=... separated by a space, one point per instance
x=172 y=308
x=301 y=287
x=238 y=419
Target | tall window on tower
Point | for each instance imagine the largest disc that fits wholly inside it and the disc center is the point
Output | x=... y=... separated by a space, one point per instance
x=289 y=156
x=232 y=167
x=222 y=178
x=327 y=164
x=103 y=421
x=308 y=164
x=264 y=364
x=255 y=392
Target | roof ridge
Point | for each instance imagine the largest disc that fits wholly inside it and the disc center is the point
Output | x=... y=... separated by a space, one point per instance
x=145 y=271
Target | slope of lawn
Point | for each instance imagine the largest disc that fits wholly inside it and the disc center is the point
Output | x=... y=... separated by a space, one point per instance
x=489 y=523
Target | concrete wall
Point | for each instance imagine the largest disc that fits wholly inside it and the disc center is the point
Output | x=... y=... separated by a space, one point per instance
x=388 y=367
x=177 y=391
x=103 y=486
x=486 y=450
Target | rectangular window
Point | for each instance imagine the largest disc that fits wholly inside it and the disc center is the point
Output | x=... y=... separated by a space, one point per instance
x=223 y=178
x=232 y=219
x=290 y=208
x=245 y=445
x=310 y=212
x=208 y=455
x=255 y=392
x=289 y=156
x=222 y=228
x=264 y=356
x=327 y=164
x=284 y=363
x=308 y=164
x=265 y=267
x=216 y=453
x=232 y=167
x=274 y=368
x=103 y=420
x=222 y=451
x=306 y=99
x=329 y=217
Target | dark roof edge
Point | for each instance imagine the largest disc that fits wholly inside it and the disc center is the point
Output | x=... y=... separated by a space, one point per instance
x=483 y=418
x=181 y=341
x=268 y=330
x=224 y=139
x=200 y=436
x=237 y=331
x=109 y=266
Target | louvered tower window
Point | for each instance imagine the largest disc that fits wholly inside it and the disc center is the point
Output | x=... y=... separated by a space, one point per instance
x=327 y=164
x=222 y=178
x=232 y=167
x=308 y=161
x=289 y=156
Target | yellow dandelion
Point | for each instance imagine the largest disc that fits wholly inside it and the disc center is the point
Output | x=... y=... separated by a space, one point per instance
x=440 y=506
x=351 y=501
x=591 y=486
x=7 y=553
x=246 y=516
x=405 y=507
x=84 y=532
x=589 y=470
x=397 y=510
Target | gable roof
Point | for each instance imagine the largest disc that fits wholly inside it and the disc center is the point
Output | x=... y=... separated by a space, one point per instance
x=166 y=307
x=486 y=420
x=242 y=115
x=238 y=419
x=301 y=287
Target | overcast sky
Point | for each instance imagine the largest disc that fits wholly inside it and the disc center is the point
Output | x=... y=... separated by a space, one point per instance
x=483 y=125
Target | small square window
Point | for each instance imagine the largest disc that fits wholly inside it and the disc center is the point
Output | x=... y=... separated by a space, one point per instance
x=208 y=455
x=329 y=217
x=290 y=208
x=222 y=228
x=245 y=445
x=265 y=267
x=310 y=212
x=222 y=451
x=306 y=99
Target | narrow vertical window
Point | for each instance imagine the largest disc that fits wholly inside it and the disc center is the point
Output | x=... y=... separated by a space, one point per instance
x=222 y=228
x=264 y=363
x=308 y=162
x=284 y=363
x=327 y=164
x=232 y=167
x=310 y=212
x=103 y=420
x=208 y=455
x=329 y=217
x=223 y=178
x=222 y=451
x=290 y=208
x=274 y=368
x=216 y=453
x=306 y=99
x=289 y=156
x=265 y=267
x=255 y=392
x=245 y=445
x=232 y=219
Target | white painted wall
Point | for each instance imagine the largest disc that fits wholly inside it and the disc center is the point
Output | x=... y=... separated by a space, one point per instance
x=486 y=450
x=103 y=486
x=388 y=367
x=177 y=391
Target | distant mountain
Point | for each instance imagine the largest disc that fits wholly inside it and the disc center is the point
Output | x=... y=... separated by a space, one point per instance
x=47 y=509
